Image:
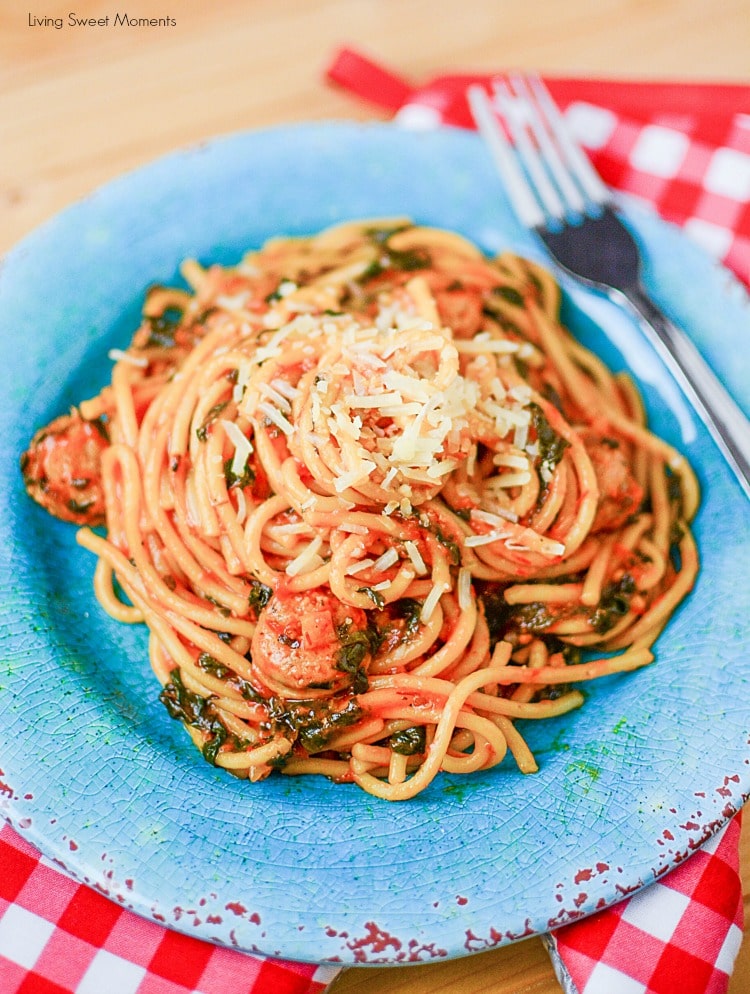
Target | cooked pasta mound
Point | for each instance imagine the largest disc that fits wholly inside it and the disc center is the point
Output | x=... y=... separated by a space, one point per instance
x=375 y=504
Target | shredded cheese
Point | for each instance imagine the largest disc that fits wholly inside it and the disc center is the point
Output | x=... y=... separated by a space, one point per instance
x=353 y=528
x=243 y=448
x=274 y=415
x=118 y=355
x=471 y=541
x=496 y=517
x=416 y=557
x=384 y=400
x=388 y=559
x=285 y=388
x=243 y=377
x=431 y=601
x=277 y=398
x=307 y=560
x=358 y=567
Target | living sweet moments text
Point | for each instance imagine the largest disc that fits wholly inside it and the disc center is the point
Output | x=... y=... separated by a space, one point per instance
x=119 y=19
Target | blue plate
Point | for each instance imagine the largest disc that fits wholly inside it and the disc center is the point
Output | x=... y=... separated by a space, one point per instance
x=97 y=776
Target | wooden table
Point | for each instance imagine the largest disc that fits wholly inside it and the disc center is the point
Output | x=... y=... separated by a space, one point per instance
x=80 y=105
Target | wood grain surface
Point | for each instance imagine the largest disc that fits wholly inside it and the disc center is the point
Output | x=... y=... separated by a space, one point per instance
x=81 y=104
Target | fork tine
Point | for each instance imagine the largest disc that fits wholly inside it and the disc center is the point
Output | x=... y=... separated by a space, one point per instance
x=525 y=203
x=546 y=139
x=578 y=161
x=514 y=110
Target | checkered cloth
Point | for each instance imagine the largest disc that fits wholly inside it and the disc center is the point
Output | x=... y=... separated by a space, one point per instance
x=679 y=936
x=61 y=937
x=686 y=150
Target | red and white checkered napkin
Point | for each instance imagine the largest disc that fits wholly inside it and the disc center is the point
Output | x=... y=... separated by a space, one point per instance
x=685 y=149
x=679 y=936
x=61 y=937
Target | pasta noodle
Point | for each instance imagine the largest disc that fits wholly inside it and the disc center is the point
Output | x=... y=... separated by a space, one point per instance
x=375 y=505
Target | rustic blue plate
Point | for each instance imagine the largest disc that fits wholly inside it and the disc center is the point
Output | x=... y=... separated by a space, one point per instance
x=97 y=776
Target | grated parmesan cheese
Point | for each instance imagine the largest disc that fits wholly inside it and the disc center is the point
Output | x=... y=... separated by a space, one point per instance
x=496 y=517
x=389 y=558
x=471 y=541
x=355 y=476
x=284 y=388
x=405 y=409
x=274 y=415
x=307 y=560
x=389 y=476
x=359 y=567
x=243 y=448
x=431 y=601
x=383 y=400
x=118 y=355
x=521 y=392
x=273 y=395
x=521 y=436
x=243 y=378
x=295 y=528
x=416 y=558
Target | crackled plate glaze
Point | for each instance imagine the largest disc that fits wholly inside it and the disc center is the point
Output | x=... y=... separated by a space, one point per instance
x=97 y=776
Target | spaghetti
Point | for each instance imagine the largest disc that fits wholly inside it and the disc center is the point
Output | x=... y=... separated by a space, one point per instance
x=374 y=503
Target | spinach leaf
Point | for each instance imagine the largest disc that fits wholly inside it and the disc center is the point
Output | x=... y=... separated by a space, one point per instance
x=503 y=618
x=409 y=610
x=196 y=711
x=202 y=430
x=375 y=596
x=551 y=445
x=405 y=260
x=259 y=596
x=408 y=742
x=613 y=604
x=509 y=294
x=212 y=665
x=245 y=479
x=355 y=648
x=313 y=723
x=450 y=544
x=162 y=328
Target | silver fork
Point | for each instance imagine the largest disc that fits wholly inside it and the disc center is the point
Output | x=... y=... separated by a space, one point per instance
x=556 y=193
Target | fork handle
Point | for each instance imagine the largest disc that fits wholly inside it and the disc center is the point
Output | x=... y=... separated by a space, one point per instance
x=725 y=421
